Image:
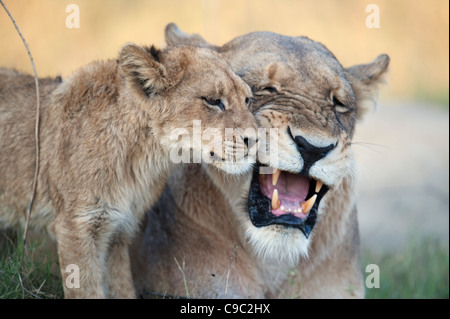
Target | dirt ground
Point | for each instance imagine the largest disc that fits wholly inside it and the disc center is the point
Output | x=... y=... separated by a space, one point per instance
x=402 y=151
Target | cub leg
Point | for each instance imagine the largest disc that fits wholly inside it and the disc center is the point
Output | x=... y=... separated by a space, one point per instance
x=81 y=249
x=118 y=269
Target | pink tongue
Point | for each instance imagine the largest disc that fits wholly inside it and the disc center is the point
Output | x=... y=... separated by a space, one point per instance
x=292 y=190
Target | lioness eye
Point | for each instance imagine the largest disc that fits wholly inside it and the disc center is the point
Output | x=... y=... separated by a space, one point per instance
x=214 y=102
x=247 y=100
x=339 y=106
x=271 y=89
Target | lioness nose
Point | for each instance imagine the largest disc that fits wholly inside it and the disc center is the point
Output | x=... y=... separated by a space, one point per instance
x=311 y=153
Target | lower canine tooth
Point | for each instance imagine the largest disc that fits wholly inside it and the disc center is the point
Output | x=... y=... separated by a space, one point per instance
x=306 y=206
x=275 y=202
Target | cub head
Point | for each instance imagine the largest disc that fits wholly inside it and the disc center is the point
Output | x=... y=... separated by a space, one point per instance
x=309 y=105
x=198 y=107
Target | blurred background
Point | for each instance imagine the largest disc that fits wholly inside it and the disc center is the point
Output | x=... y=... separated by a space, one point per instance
x=413 y=33
x=402 y=148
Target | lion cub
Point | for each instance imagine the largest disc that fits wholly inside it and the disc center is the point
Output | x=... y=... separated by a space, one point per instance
x=106 y=144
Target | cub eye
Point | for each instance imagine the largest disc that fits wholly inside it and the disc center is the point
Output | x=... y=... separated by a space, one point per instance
x=271 y=89
x=339 y=106
x=249 y=100
x=214 y=102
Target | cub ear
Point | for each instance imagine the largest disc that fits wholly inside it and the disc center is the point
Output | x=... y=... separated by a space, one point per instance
x=142 y=68
x=174 y=36
x=365 y=80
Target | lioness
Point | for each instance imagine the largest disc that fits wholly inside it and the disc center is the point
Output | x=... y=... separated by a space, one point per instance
x=105 y=150
x=292 y=233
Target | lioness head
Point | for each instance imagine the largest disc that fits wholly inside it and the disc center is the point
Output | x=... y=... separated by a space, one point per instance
x=198 y=105
x=314 y=103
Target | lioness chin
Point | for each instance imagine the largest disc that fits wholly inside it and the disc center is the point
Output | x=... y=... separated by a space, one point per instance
x=105 y=150
x=289 y=229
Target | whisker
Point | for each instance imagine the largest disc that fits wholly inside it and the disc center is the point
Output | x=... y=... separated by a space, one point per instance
x=367 y=143
x=370 y=146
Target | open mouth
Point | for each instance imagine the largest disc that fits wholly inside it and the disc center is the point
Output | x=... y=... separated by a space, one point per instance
x=284 y=198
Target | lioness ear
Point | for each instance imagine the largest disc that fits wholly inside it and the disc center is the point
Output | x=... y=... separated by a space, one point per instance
x=365 y=80
x=174 y=36
x=141 y=66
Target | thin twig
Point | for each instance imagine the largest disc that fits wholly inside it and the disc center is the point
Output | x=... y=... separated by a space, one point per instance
x=233 y=255
x=184 y=275
x=21 y=286
x=158 y=294
x=11 y=242
x=40 y=287
x=36 y=133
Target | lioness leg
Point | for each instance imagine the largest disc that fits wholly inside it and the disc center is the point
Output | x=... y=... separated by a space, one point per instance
x=118 y=269
x=81 y=258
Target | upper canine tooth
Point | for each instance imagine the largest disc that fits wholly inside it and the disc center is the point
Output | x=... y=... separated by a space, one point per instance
x=306 y=206
x=275 y=176
x=275 y=201
x=319 y=185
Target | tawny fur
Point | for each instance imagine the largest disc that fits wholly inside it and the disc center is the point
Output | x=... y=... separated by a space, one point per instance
x=105 y=150
x=206 y=222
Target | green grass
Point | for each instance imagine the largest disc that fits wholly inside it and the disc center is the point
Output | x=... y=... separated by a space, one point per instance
x=419 y=271
x=440 y=97
x=29 y=274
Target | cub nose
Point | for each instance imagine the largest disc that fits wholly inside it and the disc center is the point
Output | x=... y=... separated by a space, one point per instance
x=309 y=152
x=250 y=143
x=246 y=141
